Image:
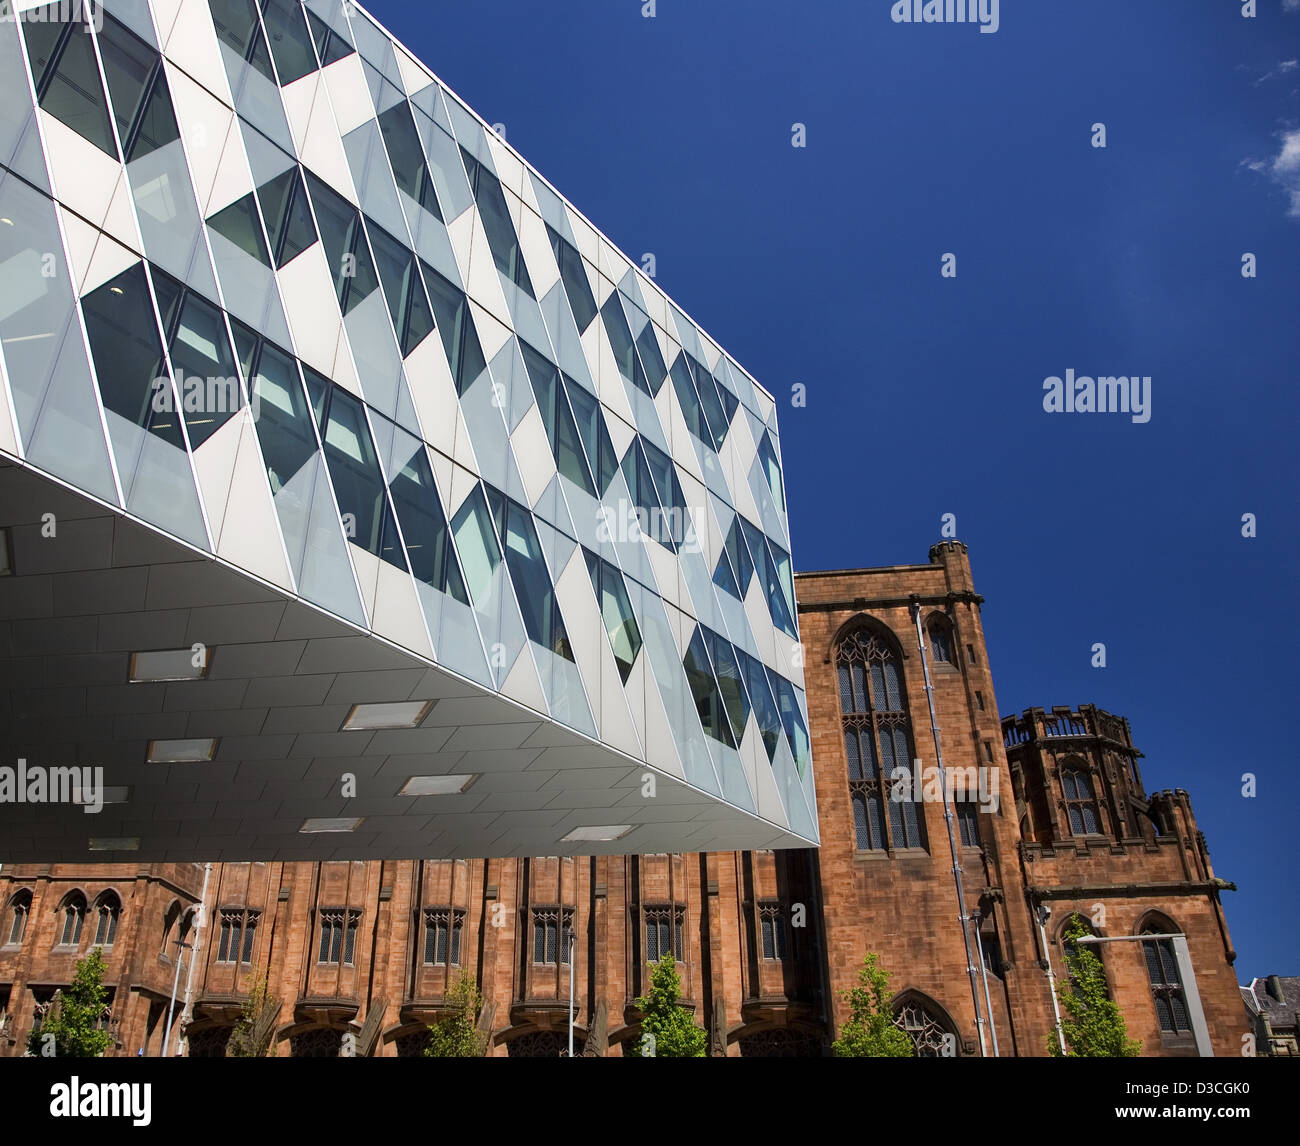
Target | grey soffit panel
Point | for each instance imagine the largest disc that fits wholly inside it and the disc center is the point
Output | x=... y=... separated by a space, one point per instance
x=536 y=781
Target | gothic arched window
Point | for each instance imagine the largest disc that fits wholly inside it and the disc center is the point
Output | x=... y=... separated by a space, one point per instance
x=940 y=640
x=74 y=918
x=1080 y=803
x=1166 y=982
x=929 y=1033
x=108 y=909
x=19 y=908
x=877 y=742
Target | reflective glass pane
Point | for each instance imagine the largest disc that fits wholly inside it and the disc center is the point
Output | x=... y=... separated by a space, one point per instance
x=358 y=484
x=689 y=401
x=476 y=544
x=345 y=245
x=205 y=369
x=127 y=352
x=290 y=42
x=528 y=574
x=128 y=66
x=455 y=328
x=726 y=670
x=239 y=223
x=67 y=75
x=330 y=44
x=283 y=422
x=620 y=341
x=424 y=527
x=237 y=27
x=288 y=217
x=497 y=224
x=595 y=436
x=577 y=287
x=615 y=611
x=407 y=158
x=558 y=418
x=704 y=690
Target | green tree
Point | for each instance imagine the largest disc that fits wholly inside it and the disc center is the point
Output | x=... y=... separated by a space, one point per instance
x=1095 y=1025
x=251 y=1037
x=870 y=1031
x=456 y=1035
x=74 y=1019
x=675 y=1034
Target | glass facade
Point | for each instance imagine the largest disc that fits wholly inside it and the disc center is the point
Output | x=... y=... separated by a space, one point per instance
x=264 y=213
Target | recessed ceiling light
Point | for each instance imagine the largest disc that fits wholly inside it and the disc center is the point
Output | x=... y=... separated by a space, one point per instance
x=8 y=222
x=114 y=844
x=437 y=785
x=107 y=795
x=599 y=834
x=397 y=714
x=342 y=824
x=170 y=664
x=181 y=751
x=116 y=290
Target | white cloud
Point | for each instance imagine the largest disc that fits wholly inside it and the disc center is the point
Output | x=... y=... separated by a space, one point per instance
x=1281 y=69
x=1285 y=168
x=1291 y=5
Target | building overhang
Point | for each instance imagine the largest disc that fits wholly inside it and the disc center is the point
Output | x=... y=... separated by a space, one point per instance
x=90 y=586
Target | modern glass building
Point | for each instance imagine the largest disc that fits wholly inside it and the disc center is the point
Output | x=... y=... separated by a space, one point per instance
x=359 y=498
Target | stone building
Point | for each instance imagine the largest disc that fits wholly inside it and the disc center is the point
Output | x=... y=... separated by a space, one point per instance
x=1273 y=1011
x=1048 y=810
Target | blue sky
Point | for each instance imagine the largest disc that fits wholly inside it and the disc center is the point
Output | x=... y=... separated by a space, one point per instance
x=821 y=266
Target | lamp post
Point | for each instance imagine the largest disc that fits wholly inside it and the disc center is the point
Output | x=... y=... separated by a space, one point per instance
x=572 y=945
x=948 y=817
x=1041 y=913
x=1191 y=995
x=171 y=1010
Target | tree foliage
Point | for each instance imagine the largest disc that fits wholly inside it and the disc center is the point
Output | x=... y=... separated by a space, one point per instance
x=74 y=1018
x=870 y=1031
x=251 y=1037
x=670 y=1025
x=456 y=1035
x=1095 y=1026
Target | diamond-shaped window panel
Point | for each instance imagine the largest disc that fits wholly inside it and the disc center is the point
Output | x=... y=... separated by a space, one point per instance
x=615 y=612
x=345 y=245
x=290 y=40
x=498 y=225
x=137 y=86
x=561 y=429
x=65 y=72
x=527 y=566
x=577 y=287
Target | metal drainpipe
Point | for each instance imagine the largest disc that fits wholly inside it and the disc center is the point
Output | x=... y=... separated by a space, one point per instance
x=1040 y=914
x=984 y=976
x=947 y=819
x=188 y=1012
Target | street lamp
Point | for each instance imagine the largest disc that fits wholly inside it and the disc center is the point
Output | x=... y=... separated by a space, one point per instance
x=176 y=980
x=1041 y=914
x=572 y=938
x=1191 y=996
